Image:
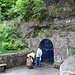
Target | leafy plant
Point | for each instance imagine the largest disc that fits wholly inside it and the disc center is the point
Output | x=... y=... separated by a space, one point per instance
x=10 y=38
x=26 y=8
x=5 y=6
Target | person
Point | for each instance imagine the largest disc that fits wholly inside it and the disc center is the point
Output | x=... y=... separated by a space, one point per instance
x=32 y=55
x=29 y=62
x=38 y=57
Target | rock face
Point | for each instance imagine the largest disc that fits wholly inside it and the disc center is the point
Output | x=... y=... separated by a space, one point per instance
x=68 y=66
x=61 y=42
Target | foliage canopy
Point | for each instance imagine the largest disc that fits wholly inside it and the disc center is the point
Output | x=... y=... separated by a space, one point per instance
x=25 y=8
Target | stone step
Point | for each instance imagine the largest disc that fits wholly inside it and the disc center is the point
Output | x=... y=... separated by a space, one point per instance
x=47 y=64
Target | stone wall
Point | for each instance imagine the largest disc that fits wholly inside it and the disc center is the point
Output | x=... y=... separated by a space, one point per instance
x=62 y=41
x=14 y=59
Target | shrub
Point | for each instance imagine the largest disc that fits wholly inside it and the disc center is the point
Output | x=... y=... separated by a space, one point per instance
x=10 y=38
x=26 y=8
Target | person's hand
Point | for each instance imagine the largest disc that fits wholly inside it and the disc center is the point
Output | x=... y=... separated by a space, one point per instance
x=40 y=59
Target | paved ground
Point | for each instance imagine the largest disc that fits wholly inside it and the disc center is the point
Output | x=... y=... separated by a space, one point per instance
x=23 y=70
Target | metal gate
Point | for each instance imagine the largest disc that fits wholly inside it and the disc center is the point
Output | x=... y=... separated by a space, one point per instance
x=48 y=51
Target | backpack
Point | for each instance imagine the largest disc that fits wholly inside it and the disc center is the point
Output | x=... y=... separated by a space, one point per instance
x=29 y=61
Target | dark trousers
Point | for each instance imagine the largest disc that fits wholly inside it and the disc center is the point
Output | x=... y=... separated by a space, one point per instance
x=37 y=62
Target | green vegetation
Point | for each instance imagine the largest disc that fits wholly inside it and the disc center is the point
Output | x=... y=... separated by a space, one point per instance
x=16 y=51
x=34 y=9
x=72 y=30
x=27 y=9
x=73 y=51
x=11 y=38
